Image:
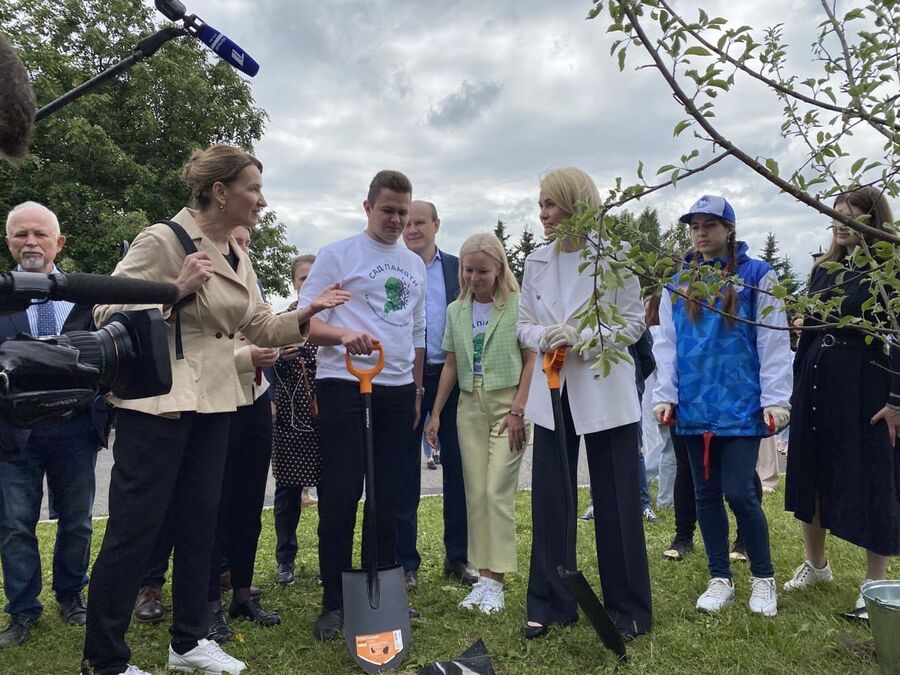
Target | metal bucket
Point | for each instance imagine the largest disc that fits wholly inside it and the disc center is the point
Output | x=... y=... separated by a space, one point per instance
x=883 y=604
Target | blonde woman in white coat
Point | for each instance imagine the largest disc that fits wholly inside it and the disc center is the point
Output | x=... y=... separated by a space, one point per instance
x=605 y=410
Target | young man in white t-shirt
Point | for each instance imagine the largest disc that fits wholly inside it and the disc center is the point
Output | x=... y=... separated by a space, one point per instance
x=386 y=283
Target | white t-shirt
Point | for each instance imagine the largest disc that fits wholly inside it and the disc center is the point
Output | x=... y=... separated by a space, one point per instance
x=481 y=312
x=387 y=300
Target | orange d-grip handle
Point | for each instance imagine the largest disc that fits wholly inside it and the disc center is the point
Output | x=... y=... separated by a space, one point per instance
x=365 y=376
x=553 y=363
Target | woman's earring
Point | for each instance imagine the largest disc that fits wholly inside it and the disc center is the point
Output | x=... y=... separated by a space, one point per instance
x=222 y=206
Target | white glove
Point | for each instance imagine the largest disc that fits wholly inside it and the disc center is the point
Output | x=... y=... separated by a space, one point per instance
x=560 y=335
x=663 y=412
x=780 y=414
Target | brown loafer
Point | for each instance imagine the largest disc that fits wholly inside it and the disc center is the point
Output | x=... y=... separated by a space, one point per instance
x=148 y=608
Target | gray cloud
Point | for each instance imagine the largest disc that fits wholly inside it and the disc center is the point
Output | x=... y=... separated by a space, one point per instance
x=463 y=105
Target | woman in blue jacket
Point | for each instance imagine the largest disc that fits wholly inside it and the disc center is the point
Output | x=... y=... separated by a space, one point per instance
x=726 y=380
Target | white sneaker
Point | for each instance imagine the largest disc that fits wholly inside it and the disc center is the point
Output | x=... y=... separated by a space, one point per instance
x=134 y=670
x=493 y=600
x=763 y=598
x=719 y=593
x=475 y=596
x=860 y=611
x=208 y=658
x=808 y=575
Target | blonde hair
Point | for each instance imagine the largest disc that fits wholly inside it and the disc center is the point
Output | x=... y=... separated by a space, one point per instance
x=571 y=189
x=216 y=164
x=505 y=284
x=300 y=260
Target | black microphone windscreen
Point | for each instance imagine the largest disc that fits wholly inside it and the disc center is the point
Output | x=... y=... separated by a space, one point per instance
x=17 y=104
x=98 y=289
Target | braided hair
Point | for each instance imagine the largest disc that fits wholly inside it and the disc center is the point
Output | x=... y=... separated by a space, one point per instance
x=729 y=295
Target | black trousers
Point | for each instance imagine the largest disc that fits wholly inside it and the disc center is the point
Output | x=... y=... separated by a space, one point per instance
x=288 y=503
x=456 y=536
x=243 y=493
x=343 y=469
x=685 y=503
x=159 y=462
x=621 y=551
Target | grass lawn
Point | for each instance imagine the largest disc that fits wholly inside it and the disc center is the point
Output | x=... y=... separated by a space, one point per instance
x=807 y=636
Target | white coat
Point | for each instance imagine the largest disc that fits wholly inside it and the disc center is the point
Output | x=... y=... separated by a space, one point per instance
x=597 y=403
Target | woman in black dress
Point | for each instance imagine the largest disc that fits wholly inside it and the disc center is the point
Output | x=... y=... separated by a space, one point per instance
x=843 y=472
x=296 y=459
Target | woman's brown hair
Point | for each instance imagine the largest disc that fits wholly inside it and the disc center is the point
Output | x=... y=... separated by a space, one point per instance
x=729 y=295
x=873 y=208
x=216 y=164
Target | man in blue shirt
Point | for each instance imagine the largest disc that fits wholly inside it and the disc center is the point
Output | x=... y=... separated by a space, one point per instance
x=442 y=287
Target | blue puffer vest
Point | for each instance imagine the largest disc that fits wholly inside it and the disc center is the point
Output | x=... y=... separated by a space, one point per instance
x=718 y=364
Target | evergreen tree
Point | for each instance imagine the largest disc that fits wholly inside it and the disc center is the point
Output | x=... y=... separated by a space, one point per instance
x=526 y=246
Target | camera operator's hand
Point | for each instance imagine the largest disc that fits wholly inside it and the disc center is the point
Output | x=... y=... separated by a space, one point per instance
x=331 y=296
x=358 y=343
x=263 y=357
x=196 y=271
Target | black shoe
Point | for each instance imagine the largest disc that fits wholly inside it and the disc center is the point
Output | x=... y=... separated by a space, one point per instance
x=678 y=549
x=460 y=570
x=411 y=579
x=431 y=464
x=74 y=610
x=328 y=625
x=219 y=630
x=17 y=631
x=251 y=610
x=284 y=575
x=436 y=457
x=532 y=632
x=255 y=592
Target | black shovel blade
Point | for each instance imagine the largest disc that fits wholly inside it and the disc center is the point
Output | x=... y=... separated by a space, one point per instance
x=377 y=637
x=595 y=611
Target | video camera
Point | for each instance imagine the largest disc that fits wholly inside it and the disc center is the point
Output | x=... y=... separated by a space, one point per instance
x=52 y=378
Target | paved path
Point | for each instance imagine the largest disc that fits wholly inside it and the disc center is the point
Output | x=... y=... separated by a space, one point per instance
x=431 y=480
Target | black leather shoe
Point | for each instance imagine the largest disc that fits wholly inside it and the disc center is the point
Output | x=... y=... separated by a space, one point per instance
x=411 y=579
x=532 y=632
x=219 y=630
x=461 y=570
x=17 y=631
x=328 y=625
x=251 y=610
x=284 y=575
x=74 y=610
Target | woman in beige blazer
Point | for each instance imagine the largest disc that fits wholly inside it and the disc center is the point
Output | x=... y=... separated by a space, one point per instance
x=170 y=449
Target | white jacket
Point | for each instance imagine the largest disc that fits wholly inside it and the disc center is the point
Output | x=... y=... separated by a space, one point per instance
x=597 y=403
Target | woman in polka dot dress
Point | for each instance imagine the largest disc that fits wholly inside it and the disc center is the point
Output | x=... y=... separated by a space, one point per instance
x=296 y=458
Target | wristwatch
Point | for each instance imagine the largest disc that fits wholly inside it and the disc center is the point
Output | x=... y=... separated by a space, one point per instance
x=420 y=392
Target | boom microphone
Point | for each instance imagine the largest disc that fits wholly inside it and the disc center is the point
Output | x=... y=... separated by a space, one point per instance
x=18 y=289
x=222 y=45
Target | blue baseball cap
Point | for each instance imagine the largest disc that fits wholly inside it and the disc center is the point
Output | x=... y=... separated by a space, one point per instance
x=711 y=205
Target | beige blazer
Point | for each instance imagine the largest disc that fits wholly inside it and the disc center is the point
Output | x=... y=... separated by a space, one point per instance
x=206 y=379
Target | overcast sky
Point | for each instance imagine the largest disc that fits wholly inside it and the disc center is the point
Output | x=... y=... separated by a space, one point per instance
x=474 y=100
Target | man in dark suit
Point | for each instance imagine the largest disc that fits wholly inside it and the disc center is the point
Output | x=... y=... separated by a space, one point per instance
x=442 y=288
x=65 y=452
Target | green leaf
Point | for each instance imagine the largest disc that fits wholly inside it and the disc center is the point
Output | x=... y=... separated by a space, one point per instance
x=697 y=51
x=772 y=166
x=681 y=126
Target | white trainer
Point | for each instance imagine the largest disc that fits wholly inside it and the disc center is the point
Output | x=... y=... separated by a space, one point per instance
x=718 y=594
x=493 y=600
x=475 y=596
x=763 y=598
x=207 y=658
x=134 y=670
x=807 y=575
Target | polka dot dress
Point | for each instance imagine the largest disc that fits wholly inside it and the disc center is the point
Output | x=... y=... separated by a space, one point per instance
x=296 y=458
